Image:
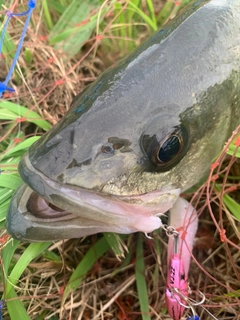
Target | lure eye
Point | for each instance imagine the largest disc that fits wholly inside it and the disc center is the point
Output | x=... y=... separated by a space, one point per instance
x=165 y=151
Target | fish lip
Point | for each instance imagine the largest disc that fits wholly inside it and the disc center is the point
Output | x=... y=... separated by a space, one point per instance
x=94 y=212
x=46 y=187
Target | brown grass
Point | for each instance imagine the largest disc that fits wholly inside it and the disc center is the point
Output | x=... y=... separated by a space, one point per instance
x=109 y=290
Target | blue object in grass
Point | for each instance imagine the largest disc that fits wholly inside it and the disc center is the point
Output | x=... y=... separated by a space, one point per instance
x=1 y=306
x=3 y=88
x=31 y=6
x=193 y=318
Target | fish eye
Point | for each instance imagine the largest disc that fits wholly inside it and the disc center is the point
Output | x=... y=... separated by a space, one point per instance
x=169 y=148
x=107 y=150
x=165 y=151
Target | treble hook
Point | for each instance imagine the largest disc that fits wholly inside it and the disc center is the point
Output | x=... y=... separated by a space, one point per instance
x=146 y=235
x=190 y=304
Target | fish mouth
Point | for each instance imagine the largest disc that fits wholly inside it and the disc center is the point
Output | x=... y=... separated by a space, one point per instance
x=43 y=210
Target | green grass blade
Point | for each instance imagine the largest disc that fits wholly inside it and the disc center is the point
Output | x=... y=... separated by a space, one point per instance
x=22 y=146
x=116 y=244
x=5 y=194
x=31 y=252
x=8 y=47
x=145 y=17
x=11 y=166
x=64 y=3
x=151 y=12
x=91 y=257
x=122 y=32
x=230 y=203
x=15 y=307
x=21 y=111
x=28 y=56
x=126 y=262
x=7 y=254
x=68 y=33
x=7 y=115
x=8 y=184
x=56 y=6
x=47 y=14
x=165 y=13
x=3 y=210
x=10 y=181
x=234 y=148
x=141 y=281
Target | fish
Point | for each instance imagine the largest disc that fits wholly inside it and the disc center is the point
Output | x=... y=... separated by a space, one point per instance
x=144 y=132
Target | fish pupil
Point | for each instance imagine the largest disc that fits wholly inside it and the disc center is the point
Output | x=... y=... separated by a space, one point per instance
x=169 y=149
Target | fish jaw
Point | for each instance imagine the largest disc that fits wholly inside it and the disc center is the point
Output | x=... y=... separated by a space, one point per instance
x=58 y=211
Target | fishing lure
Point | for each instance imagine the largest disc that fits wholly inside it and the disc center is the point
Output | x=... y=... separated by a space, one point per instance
x=177 y=289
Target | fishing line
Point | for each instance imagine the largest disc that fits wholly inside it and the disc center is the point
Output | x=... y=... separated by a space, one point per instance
x=4 y=85
x=31 y=5
x=177 y=288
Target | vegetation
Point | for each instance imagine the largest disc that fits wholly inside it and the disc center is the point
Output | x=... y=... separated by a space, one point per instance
x=68 y=44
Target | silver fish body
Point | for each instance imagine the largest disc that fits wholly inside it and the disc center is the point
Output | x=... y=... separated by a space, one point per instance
x=142 y=133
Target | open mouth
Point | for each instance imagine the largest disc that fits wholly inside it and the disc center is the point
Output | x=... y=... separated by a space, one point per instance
x=49 y=210
x=42 y=209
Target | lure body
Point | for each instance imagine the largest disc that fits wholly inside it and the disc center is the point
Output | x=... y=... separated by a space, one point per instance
x=176 y=282
x=184 y=221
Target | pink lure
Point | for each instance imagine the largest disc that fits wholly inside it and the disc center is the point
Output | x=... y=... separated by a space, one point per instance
x=176 y=282
x=184 y=220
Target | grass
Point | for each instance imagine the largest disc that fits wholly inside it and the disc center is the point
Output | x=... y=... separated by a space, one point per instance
x=103 y=275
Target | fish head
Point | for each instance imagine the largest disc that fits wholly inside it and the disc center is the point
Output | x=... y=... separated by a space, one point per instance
x=145 y=131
